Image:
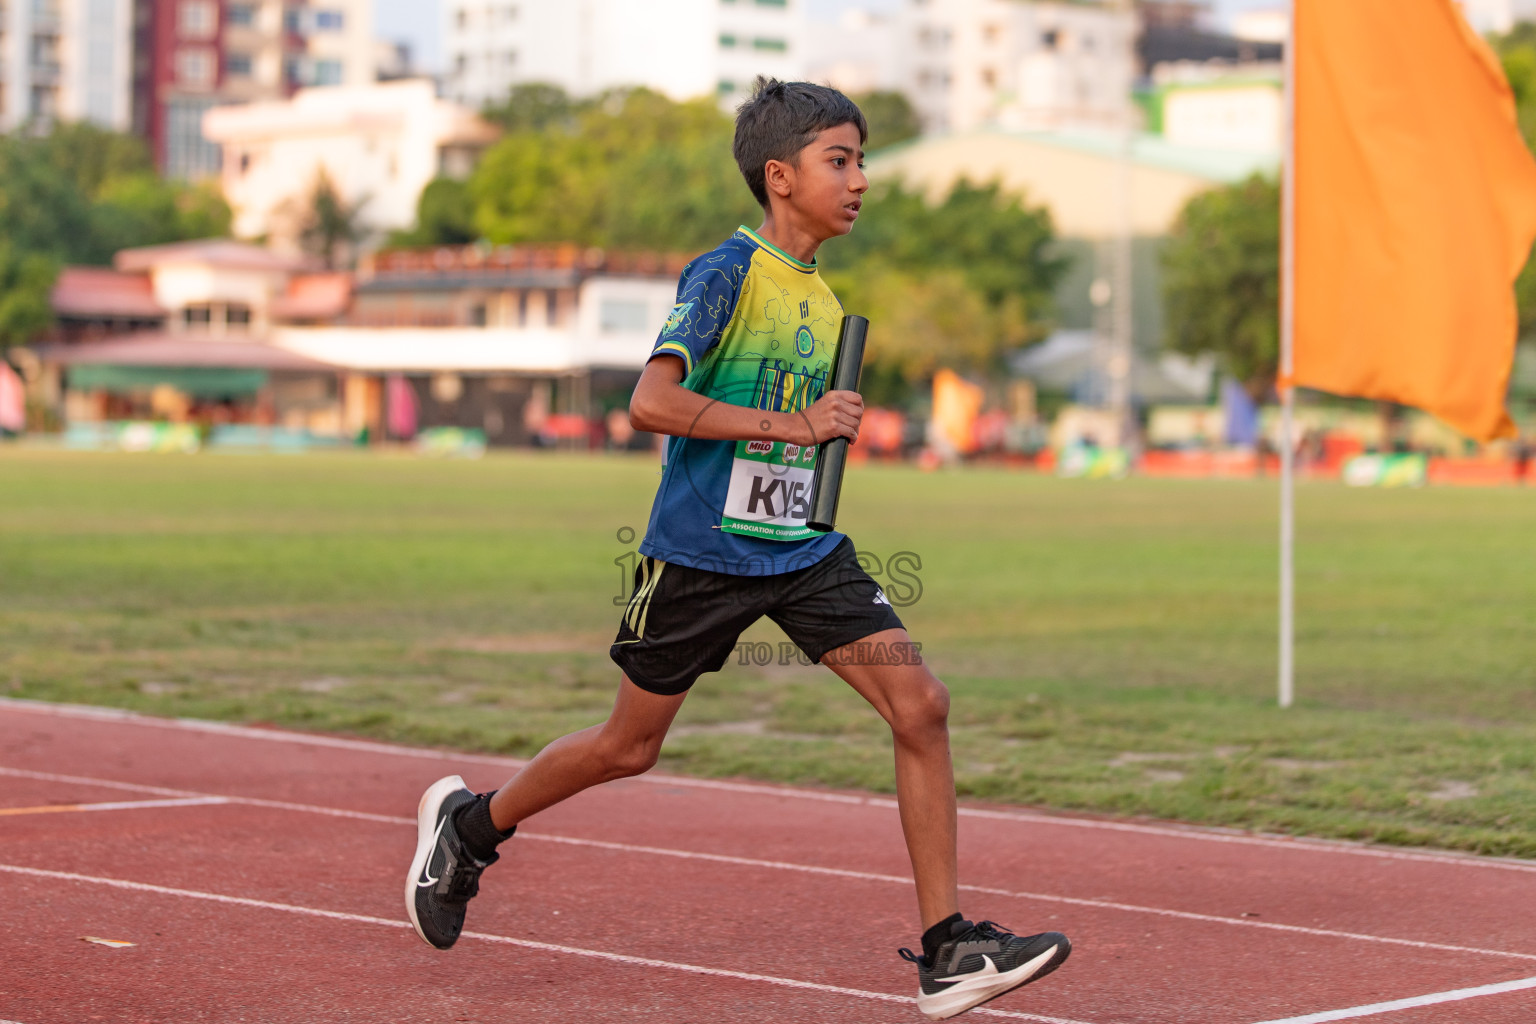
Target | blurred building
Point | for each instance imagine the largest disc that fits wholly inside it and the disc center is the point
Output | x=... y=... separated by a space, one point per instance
x=525 y=345
x=193 y=55
x=860 y=52
x=684 y=48
x=1262 y=25
x=1023 y=66
x=378 y=145
x=68 y=60
x=1218 y=106
x=1020 y=64
x=1075 y=176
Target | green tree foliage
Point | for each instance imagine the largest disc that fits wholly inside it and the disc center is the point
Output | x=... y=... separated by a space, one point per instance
x=1517 y=51
x=1000 y=244
x=445 y=215
x=534 y=107
x=891 y=119
x=332 y=227
x=1221 y=281
x=631 y=169
x=953 y=283
x=25 y=281
x=81 y=193
x=957 y=283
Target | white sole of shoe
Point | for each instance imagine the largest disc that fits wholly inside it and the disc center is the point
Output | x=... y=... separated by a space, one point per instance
x=972 y=992
x=426 y=839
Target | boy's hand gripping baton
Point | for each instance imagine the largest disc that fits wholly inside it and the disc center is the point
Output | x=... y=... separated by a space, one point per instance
x=833 y=454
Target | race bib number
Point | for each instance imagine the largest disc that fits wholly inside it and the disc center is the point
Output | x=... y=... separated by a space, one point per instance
x=770 y=492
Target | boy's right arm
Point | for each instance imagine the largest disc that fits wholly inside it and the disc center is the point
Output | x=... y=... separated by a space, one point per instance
x=662 y=405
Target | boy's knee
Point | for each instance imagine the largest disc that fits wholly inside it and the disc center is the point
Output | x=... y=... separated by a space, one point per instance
x=632 y=759
x=922 y=710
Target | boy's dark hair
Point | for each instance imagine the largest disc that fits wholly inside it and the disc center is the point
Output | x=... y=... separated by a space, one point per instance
x=780 y=119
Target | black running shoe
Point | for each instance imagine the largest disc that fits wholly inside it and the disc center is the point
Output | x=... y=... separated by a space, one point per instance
x=444 y=876
x=981 y=962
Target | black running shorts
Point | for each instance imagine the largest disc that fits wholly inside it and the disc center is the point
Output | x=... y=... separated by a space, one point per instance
x=682 y=622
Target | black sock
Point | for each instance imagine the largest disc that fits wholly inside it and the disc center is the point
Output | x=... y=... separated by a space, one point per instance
x=480 y=834
x=939 y=934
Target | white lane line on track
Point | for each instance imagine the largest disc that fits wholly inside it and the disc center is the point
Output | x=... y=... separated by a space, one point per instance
x=1411 y=1003
x=1205 y=835
x=116 y=805
x=812 y=869
x=594 y=954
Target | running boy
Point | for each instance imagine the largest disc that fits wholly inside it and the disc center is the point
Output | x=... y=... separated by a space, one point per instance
x=738 y=381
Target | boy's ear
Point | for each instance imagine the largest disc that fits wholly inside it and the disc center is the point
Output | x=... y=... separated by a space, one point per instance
x=779 y=177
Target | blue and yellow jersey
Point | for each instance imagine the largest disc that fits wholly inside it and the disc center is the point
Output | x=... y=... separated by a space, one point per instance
x=754 y=327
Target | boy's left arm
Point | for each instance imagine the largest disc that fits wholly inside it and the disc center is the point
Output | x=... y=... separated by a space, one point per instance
x=662 y=405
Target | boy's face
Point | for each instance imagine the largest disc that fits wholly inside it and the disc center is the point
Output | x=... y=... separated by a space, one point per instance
x=829 y=183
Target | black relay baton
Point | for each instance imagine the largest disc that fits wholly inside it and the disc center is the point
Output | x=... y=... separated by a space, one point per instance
x=833 y=455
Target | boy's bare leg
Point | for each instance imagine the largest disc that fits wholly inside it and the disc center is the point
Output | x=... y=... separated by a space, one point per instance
x=916 y=705
x=628 y=743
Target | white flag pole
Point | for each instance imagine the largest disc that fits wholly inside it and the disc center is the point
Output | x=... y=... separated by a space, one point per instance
x=1287 y=391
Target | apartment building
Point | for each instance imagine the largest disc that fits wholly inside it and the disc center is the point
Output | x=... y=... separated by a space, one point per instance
x=1019 y=65
x=684 y=48
x=65 y=60
x=378 y=144
x=193 y=55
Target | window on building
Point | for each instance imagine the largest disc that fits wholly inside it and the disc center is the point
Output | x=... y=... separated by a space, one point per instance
x=622 y=315
x=461 y=18
x=237 y=65
x=727 y=40
x=197 y=19
x=195 y=68
x=197 y=315
x=187 y=153
x=509 y=59
x=477 y=315
x=327 y=72
x=1050 y=38
x=243 y=15
x=770 y=45
x=237 y=315
x=329 y=21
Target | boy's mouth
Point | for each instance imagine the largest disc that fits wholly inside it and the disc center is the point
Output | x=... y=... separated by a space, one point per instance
x=852 y=209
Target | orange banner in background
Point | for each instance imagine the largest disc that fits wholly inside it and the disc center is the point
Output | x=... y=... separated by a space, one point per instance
x=1415 y=210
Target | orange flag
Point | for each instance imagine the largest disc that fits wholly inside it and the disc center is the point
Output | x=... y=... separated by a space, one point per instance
x=1415 y=210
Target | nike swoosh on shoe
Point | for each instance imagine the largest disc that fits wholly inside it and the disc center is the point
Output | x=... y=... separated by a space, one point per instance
x=426 y=869
x=981 y=972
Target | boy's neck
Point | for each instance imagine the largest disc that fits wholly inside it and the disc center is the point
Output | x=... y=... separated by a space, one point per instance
x=782 y=233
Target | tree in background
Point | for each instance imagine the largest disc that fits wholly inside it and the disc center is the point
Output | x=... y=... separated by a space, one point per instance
x=445 y=215
x=630 y=169
x=1517 y=51
x=25 y=281
x=81 y=193
x=957 y=282
x=891 y=117
x=332 y=227
x=534 y=107
x=1221 y=281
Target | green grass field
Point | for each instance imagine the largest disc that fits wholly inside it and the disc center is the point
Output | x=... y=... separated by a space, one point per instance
x=1111 y=646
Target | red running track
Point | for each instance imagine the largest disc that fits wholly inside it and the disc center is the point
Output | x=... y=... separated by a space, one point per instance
x=259 y=875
